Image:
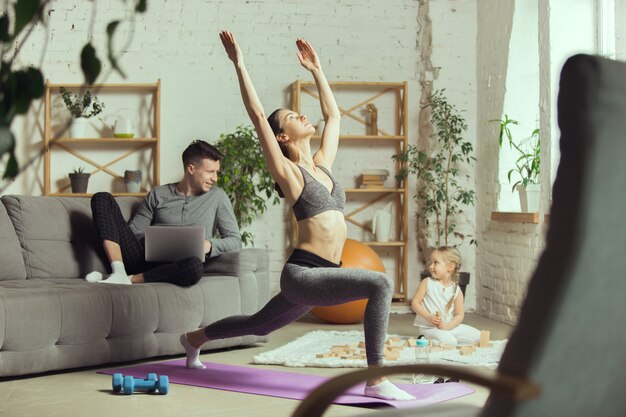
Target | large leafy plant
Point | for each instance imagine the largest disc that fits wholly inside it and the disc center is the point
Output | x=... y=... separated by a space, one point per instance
x=19 y=87
x=441 y=169
x=245 y=177
x=528 y=163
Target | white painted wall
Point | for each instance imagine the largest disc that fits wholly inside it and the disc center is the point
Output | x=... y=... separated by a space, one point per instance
x=475 y=56
x=177 y=42
x=518 y=73
x=620 y=30
x=521 y=102
x=454 y=53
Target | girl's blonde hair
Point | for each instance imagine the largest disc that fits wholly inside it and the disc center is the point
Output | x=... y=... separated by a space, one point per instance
x=453 y=256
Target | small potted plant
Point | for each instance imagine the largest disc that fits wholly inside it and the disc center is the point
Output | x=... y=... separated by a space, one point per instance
x=443 y=189
x=81 y=107
x=527 y=167
x=79 y=180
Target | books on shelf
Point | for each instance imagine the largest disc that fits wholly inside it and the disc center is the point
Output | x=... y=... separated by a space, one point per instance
x=372 y=178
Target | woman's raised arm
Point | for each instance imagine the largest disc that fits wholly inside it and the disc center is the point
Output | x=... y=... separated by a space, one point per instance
x=273 y=156
x=332 y=117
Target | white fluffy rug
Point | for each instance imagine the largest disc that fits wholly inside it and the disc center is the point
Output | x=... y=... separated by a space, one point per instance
x=308 y=349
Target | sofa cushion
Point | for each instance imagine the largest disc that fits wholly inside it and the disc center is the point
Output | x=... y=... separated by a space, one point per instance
x=52 y=324
x=10 y=251
x=57 y=234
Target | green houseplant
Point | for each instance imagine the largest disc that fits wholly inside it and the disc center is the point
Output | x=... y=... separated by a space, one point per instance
x=79 y=180
x=441 y=190
x=525 y=174
x=81 y=106
x=528 y=164
x=245 y=177
x=20 y=86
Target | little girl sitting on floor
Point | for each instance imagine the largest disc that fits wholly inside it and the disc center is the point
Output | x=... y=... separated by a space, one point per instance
x=438 y=302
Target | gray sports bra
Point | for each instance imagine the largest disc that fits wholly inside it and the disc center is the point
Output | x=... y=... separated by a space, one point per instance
x=315 y=198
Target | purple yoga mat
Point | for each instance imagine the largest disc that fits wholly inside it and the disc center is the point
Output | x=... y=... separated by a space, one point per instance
x=254 y=380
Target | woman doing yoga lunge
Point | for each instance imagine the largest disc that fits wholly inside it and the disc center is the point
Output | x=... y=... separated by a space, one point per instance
x=312 y=275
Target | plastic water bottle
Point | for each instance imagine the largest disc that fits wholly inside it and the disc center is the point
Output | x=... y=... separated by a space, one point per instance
x=422 y=357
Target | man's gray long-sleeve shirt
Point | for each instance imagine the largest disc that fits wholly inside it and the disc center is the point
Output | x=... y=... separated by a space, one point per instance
x=213 y=210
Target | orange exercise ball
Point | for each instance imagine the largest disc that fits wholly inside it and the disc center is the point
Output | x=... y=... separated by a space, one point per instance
x=355 y=255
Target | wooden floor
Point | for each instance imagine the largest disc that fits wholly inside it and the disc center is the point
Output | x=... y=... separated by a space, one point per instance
x=85 y=393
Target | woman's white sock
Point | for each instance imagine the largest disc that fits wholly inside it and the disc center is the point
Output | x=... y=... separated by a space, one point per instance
x=387 y=391
x=193 y=360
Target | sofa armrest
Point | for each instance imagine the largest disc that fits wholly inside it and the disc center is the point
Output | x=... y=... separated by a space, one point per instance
x=250 y=266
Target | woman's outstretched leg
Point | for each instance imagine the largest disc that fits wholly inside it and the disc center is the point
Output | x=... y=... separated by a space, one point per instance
x=277 y=313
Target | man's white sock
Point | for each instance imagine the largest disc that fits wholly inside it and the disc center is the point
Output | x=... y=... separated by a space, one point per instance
x=387 y=391
x=94 y=276
x=118 y=276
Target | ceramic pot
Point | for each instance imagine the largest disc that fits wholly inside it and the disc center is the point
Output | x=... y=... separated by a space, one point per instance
x=79 y=127
x=132 y=179
x=79 y=182
x=529 y=197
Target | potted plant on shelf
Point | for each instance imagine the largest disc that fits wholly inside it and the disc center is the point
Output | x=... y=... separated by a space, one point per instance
x=527 y=166
x=79 y=180
x=245 y=178
x=443 y=186
x=81 y=107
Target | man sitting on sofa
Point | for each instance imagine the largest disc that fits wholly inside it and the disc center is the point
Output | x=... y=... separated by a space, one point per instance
x=192 y=201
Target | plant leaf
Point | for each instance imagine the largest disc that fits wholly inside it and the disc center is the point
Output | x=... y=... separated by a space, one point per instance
x=11 y=169
x=7 y=141
x=141 y=6
x=90 y=64
x=111 y=28
x=4 y=28
x=25 y=11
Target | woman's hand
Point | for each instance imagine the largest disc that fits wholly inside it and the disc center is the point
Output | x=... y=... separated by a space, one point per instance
x=307 y=55
x=231 y=47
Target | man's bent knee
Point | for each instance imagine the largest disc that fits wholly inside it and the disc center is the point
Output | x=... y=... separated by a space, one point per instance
x=192 y=270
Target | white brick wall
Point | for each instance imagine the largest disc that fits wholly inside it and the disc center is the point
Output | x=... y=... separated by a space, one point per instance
x=178 y=43
x=358 y=40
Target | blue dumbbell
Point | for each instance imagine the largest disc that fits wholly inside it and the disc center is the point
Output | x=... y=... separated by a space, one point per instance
x=152 y=383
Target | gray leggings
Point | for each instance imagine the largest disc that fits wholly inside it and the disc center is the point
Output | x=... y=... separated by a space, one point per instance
x=308 y=280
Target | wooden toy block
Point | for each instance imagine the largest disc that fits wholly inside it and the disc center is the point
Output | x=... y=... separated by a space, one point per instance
x=484 y=338
x=466 y=352
x=340 y=348
x=446 y=347
x=324 y=355
x=396 y=339
x=361 y=345
x=394 y=347
x=411 y=341
x=466 y=347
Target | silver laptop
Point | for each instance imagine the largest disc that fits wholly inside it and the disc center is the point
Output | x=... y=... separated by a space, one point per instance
x=171 y=243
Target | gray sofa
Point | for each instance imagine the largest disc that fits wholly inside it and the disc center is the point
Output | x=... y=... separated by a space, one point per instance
x=52 y=319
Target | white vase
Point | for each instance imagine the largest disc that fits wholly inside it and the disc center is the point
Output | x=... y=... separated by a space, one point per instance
x=78 y=128
x=529 y=197
x=381 y=224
